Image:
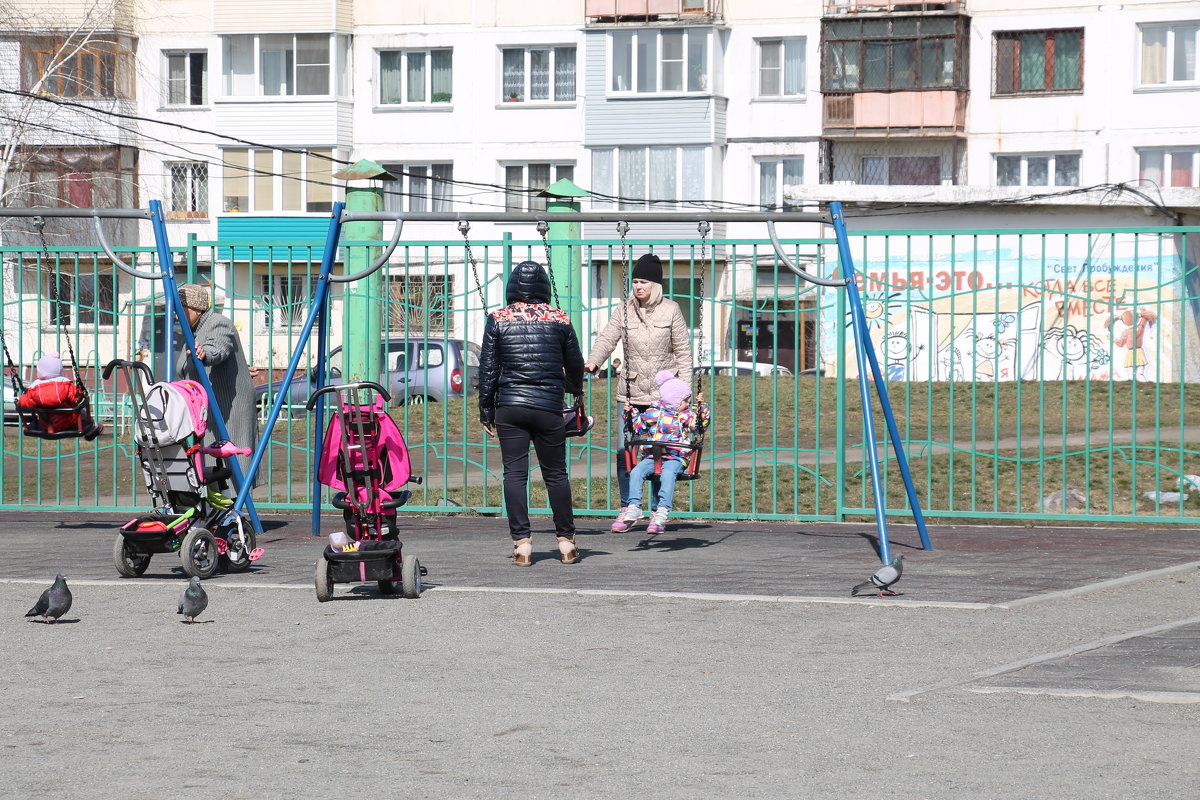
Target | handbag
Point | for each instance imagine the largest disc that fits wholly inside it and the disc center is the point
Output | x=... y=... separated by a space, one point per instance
x=576 y=418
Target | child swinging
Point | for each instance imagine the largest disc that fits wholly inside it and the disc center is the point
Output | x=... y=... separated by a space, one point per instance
x=672 y=419
x=56 y=404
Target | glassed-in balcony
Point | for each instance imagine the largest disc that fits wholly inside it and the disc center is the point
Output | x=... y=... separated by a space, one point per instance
x=608 y=11
x=837 y=7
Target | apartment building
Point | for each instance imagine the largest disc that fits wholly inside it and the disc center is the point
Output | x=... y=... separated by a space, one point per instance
x=976 y=113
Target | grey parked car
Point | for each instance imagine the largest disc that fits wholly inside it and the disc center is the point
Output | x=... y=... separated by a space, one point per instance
x=418 y=371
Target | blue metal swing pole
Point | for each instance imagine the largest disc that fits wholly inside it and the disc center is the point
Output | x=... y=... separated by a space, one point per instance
x=175 y=312
x=315 y=310
x=319 y=411
x=860 y=333
x=864 y=345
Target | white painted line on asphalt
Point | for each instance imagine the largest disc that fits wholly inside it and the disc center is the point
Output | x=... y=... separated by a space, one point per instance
x=708 y=596
x=1180 y=698
x=905 y=696
x=1125 y=580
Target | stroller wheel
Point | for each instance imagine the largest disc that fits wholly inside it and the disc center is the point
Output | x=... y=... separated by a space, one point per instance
x=324 y=581
x=129 y=562
x=241 y=542
x=199 y=553
x=411 y=570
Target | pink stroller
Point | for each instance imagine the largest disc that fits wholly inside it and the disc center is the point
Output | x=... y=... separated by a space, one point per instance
x=365 y=461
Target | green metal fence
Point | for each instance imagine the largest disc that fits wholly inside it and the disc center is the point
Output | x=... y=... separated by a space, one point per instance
x=1035 y=375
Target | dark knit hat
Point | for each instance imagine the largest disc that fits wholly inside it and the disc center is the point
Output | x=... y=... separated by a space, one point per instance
x=648 y=268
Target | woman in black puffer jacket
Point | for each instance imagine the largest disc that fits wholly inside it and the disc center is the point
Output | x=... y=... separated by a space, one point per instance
x=529 y=360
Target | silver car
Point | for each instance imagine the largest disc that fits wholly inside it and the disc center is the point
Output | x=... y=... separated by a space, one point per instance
x=417 y=371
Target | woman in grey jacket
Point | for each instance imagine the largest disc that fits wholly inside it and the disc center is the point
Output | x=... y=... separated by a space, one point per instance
x=655 y=337
x=219 y=349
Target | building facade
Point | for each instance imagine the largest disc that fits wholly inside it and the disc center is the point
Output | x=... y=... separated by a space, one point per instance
x=975 y=114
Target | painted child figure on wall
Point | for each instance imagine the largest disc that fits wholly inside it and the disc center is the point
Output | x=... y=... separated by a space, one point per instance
x=1131 y=336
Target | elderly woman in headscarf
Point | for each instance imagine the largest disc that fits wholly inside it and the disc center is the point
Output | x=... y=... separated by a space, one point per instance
x=219 y=349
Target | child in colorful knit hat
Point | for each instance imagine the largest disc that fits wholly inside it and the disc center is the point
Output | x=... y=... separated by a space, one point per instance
x=672 y=419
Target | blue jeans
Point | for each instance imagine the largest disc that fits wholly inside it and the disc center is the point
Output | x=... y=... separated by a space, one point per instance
x=622 y=475
x=666 y=491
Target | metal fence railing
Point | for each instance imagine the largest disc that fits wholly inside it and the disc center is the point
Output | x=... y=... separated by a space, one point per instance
x=1035 y=375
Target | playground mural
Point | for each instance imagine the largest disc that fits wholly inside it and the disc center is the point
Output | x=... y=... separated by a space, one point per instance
x=1005 y=307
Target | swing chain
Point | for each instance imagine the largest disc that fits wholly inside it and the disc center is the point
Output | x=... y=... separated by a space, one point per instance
x=39 y=223
x=704 y=228
x=543 y=228
x=464 y=228
x=622 y=231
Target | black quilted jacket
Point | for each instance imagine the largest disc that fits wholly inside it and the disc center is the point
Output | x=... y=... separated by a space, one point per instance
x=530 y=355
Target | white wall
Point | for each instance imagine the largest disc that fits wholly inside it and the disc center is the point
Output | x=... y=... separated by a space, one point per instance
x=1106 y=122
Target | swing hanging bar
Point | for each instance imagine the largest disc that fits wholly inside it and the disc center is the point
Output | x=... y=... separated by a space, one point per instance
x=808 y=276
x=382 y=259
x=525 y=217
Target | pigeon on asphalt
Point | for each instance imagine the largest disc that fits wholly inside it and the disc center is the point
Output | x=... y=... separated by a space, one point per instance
x=193 y=600
x=883 y=578
x=54 y=602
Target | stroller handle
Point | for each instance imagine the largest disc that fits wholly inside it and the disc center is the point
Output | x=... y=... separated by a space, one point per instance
x=387 y=397
x=135 y=365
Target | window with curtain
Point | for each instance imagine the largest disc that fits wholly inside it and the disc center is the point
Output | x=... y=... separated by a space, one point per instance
x=75 y=177
x=649 y=61
x=781 y=67
x=1168 y=54
x=1037 y=169
x=187 y=79
x=415 y=77
x=1179 y=166
x=283 y=64
x=537 y=74
x=523 y=181
x=661 y=177
x=271 y=181
x=1038 y=62
x=777 y=177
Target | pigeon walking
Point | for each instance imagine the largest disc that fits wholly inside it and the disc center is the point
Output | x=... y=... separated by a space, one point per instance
x=883 y=579
x=193 y=600
x=54 y=602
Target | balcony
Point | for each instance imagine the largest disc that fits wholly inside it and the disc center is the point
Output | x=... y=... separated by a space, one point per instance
x=930 y=113
x=610 y=11
x=839 y=7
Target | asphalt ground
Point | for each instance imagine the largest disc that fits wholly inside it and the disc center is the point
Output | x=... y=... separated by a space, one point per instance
x=719 y=659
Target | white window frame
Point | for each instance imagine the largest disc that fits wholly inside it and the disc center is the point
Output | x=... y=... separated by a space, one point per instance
x=779 y=202
x=253 y=73
x=526 y=200
x=411 y=192
x=405 y=55
x=525 y=95
x=1051 y=168
x=313 y=170
x=782 y=42
x=637 y=77
x=644 y=196
x=196 y=185
x=284 y=300
x=1170 y=47
x=1167 y=157
x=189 y=77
